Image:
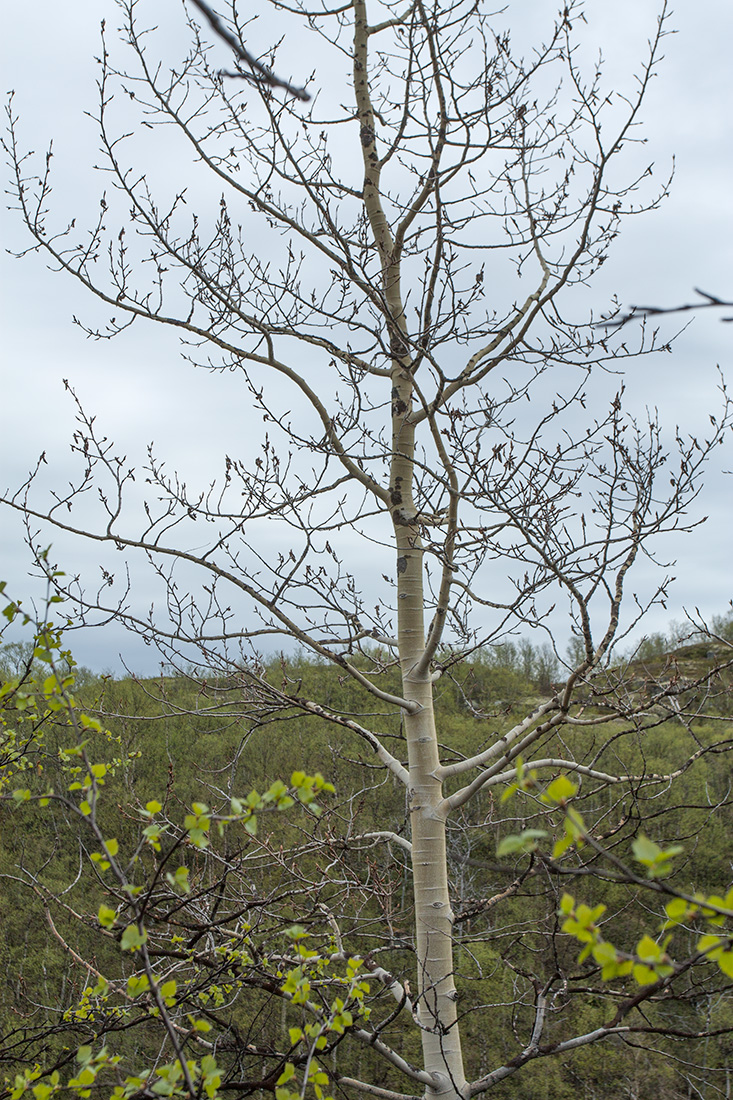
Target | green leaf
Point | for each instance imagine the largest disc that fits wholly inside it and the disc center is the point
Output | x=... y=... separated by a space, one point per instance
x=561 y=846
x=524 y=842
x=604 y=953
x=567 y=904
x=676 y=910
x=560 y=790
x=725 y=962
x=653 y=857
x=644 y=975
x=287 y=1074
x=180 y=880
x=645 y=850
x=648 y=951
x=106 y=916
x=711 y=916
x=711 y=945
x=137 y=984
x=133 y=938
x=296 y=932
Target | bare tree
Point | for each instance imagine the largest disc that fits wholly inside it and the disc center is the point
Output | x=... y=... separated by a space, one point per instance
x=422 y=410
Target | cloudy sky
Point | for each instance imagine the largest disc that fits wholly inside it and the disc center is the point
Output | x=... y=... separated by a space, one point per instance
x=140 y=390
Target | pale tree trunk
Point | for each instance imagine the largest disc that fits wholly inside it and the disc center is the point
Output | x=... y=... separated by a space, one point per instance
x=441 y=1042
x=436 y=1002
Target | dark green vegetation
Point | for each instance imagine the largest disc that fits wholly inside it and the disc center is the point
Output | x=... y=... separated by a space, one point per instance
x=242 y=910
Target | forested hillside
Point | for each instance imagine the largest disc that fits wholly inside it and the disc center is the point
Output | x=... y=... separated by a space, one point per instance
x=253 y=906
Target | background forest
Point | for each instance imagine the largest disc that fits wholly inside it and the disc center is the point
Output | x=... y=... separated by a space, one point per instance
x=183 y=744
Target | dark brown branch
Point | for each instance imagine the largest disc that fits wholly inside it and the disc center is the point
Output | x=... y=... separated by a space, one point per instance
x=260 y=73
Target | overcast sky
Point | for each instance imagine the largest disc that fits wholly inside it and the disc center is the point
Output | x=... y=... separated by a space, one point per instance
x=139 y=388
